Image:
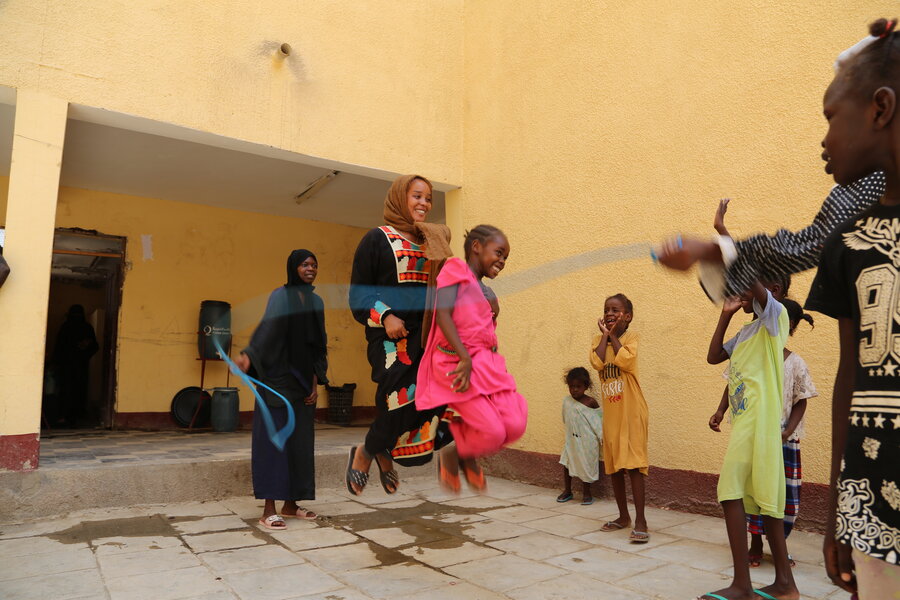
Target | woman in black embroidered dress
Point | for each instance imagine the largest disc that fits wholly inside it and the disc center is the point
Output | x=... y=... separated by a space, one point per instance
x=387 y=295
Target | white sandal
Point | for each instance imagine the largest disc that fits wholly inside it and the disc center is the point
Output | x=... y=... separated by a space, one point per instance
x=274 y=522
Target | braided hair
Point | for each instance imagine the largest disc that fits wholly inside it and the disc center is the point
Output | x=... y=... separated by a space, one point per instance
x=796 y=314
x=482 y=233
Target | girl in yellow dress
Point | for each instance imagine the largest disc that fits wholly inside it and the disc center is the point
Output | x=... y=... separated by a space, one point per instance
x=614 y=355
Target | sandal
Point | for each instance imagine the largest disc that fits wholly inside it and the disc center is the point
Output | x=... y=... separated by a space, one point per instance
x=764 y=595
x=564 y=497
x=273 y=522
x=302 y=513
x=449 y=481
x=791 y=561
x=587 y=501
x=614 y=526
x=639 y=537
x=360 y=478
x=755 y=560
x=389 y=477
x=474 y=475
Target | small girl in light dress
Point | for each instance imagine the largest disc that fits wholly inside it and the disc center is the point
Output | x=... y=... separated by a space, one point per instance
x=583 y=419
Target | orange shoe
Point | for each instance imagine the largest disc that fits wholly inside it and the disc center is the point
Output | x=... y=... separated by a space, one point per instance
x=474 y=475
x=449 y=481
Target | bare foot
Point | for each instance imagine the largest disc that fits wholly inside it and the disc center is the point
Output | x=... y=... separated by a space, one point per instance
x=732 y=593
x=782 y=591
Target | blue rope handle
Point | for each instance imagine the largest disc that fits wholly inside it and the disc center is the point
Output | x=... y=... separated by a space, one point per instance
x=277 y=437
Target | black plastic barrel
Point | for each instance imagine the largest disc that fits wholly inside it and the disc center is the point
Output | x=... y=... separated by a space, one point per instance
x=225 y=413
x=215 y=323
x=340 y=403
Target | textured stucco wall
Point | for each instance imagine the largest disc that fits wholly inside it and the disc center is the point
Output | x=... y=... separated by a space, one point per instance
x=594 y=125
x=205 y=253
x=373 y=83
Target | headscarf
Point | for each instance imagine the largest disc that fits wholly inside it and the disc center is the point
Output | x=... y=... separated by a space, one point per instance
x=305 y=318
x=396 y=208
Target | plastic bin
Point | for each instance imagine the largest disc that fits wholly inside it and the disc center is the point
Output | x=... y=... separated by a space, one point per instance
x=340 y=404
x=225 y=413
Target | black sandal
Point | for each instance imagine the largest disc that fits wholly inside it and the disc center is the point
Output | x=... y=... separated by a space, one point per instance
x=360 y=478
x=389 y=477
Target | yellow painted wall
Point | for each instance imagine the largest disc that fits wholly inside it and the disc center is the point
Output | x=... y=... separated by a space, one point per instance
x=595 y=124
x=205 y=253
x=372 y=82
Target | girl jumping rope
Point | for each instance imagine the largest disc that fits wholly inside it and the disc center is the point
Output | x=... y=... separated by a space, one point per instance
x=461 y=366
x=583 y=419
x=614 y=355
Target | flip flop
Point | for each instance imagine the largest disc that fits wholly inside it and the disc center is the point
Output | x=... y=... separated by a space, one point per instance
x=587 y=501
x=755 y=560
x=764 y=595
x=613 y=526
x=564 y=497
x=639 y=537
x=389 y=477
x=274 y=522
x=360 y=478
x=711 y=595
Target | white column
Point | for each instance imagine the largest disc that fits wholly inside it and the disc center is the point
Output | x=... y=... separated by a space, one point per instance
x=39 y=134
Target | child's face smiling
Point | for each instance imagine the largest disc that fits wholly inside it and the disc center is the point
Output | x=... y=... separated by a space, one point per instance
x=577 y=389
x=492 y=255
x=614 y=311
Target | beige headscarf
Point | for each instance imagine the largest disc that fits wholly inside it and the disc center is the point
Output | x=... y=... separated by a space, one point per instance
x=434 y=237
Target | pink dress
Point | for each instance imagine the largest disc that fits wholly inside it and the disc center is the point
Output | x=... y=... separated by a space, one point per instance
x=490 y=414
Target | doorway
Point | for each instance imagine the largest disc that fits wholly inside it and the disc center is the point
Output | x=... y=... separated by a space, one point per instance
x=86 y=279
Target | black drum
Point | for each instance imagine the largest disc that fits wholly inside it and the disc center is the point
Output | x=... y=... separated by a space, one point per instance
x=215 y=323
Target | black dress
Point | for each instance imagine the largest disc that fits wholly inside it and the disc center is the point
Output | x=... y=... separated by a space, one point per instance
x=289 y=474
x=389 y=277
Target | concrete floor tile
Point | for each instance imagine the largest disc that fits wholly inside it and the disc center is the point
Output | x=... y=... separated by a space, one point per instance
x=619 y=540
x=453 y=517
x=34 y=545
x=507 y=489
x=448 y=552
x=375 y=496
x=48 y=563
x=150 y=561
x=319 y=537
x=396 y=580
x=248 y=559
x=168 y=585
x=222 y=541
x=344 y=593
x=539 y=545
x=486 y=531
x=336 y=509
x=36 y=528
x=245 y=507
x=456 y=591
x=573 y=586
x=412 y=502
x=518 y=514
x=123 y=544
x=664 y=581
x=566 y=525
x=806 y=547
x=699 y=555
x=343 y=558
x=500 y=573
x=436 y=494
x=279 y=583
x=604 y=564
x=194 y=509
x=478 y=502
x=210 y=524
x=705 y=530
x=658 y=518
x=811 y=579
x=408 y=533
x=59 y=586
x=546 y=499
x=602 y=510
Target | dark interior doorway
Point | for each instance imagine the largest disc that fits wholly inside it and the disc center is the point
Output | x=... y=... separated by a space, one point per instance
x=80 y=363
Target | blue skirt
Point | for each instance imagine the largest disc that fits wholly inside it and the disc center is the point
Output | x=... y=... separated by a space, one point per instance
x=288 y=474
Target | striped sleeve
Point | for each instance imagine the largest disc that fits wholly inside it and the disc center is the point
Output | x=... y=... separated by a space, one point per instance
x=789 y=252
